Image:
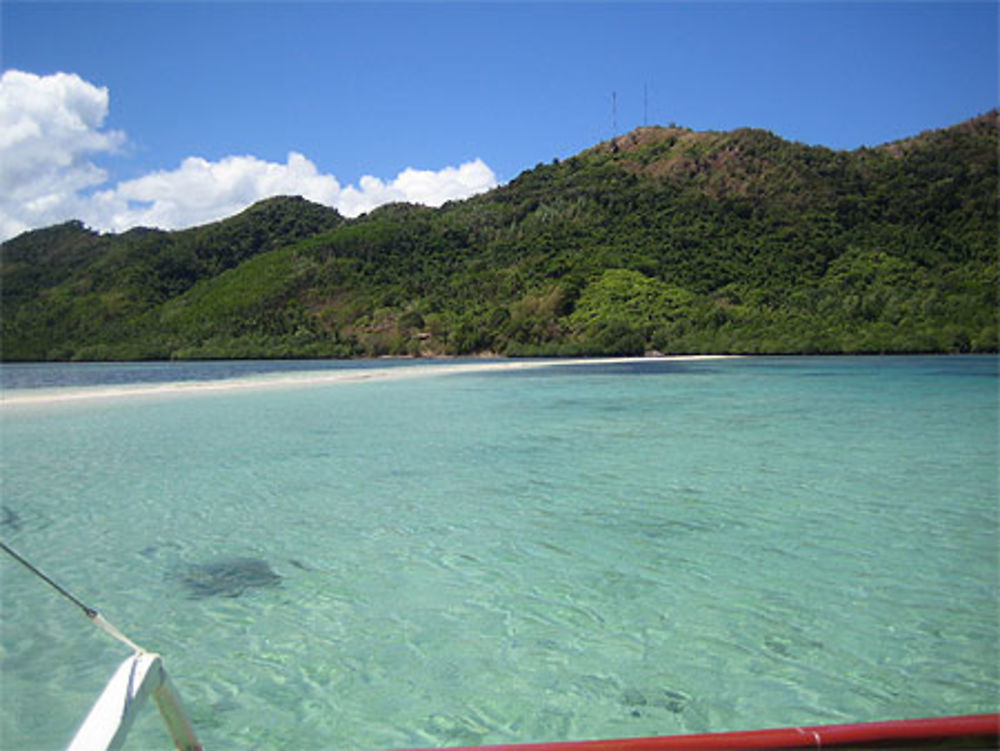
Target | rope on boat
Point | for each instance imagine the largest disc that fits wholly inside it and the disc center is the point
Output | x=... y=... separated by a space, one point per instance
x=96 y=618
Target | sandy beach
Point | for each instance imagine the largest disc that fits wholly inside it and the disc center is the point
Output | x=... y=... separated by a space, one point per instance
x=298 y=380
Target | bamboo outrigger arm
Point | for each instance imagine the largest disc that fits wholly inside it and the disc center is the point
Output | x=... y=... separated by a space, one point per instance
x=108 y=723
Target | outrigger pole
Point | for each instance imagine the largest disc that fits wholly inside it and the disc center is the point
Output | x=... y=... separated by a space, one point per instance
x=140 y=676
x=92 y=614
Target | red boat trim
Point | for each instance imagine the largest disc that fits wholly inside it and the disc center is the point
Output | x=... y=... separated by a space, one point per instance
x=970 y=731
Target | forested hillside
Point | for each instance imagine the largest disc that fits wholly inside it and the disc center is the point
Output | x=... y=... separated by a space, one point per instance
x=662 y=239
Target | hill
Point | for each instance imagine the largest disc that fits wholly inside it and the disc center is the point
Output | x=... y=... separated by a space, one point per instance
x=663 y=238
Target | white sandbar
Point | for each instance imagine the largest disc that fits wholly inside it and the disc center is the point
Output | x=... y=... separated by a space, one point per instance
x=299 y=379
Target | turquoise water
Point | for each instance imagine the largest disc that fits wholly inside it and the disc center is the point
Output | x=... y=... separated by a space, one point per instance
x=558 y=553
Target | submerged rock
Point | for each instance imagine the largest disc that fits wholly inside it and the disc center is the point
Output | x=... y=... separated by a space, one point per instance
x=10 y=519
x=229 y=577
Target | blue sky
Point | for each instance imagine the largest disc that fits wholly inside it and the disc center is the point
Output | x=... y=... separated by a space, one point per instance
x=375 y=89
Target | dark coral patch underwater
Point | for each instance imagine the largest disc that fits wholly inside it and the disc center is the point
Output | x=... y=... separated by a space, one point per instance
x=228 y=577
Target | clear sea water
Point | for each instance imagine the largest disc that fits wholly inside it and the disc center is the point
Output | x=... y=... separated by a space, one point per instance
x=470 y=557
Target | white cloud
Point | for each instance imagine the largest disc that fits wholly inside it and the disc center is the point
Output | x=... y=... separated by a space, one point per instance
x=201 y=191
x=51 y=128
x=419 y=186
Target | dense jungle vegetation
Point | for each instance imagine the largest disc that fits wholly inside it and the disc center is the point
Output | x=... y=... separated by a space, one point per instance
x=662 y=239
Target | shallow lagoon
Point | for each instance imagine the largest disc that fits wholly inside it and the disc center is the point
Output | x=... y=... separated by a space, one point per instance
x=565 y=552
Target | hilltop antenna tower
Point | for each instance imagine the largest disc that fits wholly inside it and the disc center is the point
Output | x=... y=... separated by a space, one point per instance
x=614 y=114
x=645 y=105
